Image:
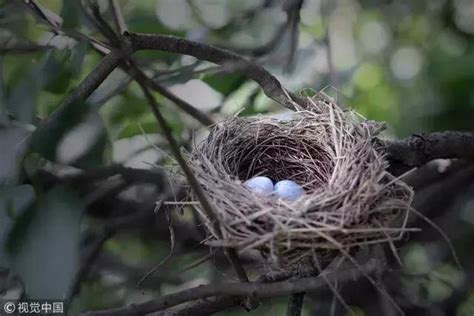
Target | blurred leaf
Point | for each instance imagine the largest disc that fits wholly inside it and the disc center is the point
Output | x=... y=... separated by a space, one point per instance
x=16 y=140
x=47 y=137
x=438 y=290
x=183 y=75
x=132 y=129
x=44 y=244
x=76 y=137
x=224 y=83
x=449 y=274
x=71 y=14
x=95 y=296
x=13 y=201
x=3 y=100
x=62 y=66
x=416 y=260
x=308 y=92
x=22 y=98
x=467 y=307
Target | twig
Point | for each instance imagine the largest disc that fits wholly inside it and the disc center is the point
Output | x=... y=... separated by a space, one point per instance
x=325 y=16
x=53 y=21
x=85 y=266
x=128 y=174
x=254 y=289
x=293 y=8
x=182 y=104
x=133 y=70
x=23 y=48
x=174 y=146
x=118 y=16
x=264 y=49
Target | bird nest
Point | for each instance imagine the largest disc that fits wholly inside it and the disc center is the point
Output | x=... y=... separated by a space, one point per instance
x=350 y=199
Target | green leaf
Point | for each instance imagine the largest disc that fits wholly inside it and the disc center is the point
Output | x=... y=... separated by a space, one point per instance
x=467 y=307
x=22 y=98
x=46 y=138
x=44 y=244
x=16 y=139
x=77 y=136
x=62 y=66
x=71 y=14
x=416 y=260
x=224 y=83
x=13 y=202
x=3 y=99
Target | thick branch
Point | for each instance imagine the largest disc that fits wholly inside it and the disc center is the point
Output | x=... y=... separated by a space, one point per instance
x=269 y=83
x=419 y=149
x=254 y=289
x=87 y=86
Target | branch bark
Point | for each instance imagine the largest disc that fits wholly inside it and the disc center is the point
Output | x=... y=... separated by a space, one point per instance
x=254 y=289
x=269 y=83
x=419 y=149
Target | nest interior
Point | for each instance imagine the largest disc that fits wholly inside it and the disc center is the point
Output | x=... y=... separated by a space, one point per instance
x=350 y=199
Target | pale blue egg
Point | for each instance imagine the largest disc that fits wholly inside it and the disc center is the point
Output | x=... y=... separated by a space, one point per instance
x=260 y=185
x=288 y=190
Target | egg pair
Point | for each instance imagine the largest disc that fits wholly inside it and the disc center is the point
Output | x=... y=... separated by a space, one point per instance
x=285 y=189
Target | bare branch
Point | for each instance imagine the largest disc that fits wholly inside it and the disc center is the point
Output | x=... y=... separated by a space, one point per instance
x=419 y=149
x=254 y=289
x=87 y=176
x=23 y=48
x=200 y=116
x=270 y=84
x=293 y=8
x=118 y=16
x=174 y=146
x=91 y=254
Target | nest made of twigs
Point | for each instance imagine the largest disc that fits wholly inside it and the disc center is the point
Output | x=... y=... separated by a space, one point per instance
x=350 y=199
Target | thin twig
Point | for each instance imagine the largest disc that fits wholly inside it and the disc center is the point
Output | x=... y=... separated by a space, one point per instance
x=118 y=16
x=182 y=104
x=270 y=85
x=85 y=266
x=293 y=8
x=174 y=146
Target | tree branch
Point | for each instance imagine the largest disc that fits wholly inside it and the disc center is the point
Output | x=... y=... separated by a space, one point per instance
x=254 y=289
x=269 y=83
x=419 y=149
x=88 y=85
x=138 y=74
x=118 y=16
x=193 y=182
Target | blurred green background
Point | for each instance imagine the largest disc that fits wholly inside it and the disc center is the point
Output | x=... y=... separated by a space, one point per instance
x=408 y=63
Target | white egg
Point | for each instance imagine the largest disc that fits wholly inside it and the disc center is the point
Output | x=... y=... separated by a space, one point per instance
x=288 y=190
x=260 y=185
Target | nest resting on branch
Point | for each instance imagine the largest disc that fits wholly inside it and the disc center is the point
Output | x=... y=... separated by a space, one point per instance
x=350 y=199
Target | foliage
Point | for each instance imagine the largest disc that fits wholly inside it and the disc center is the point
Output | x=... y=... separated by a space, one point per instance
x=408 y=63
